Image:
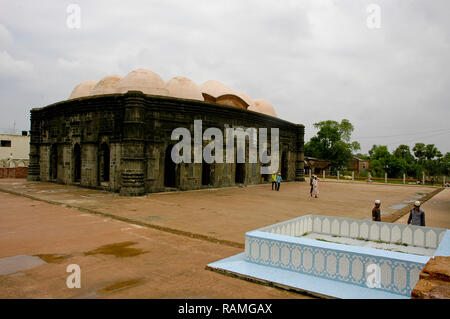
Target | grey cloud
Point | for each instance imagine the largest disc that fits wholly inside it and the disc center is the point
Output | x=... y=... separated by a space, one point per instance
x=313 y=60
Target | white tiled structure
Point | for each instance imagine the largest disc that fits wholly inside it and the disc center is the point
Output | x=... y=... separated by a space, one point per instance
x=277 y=253
x=428 y=237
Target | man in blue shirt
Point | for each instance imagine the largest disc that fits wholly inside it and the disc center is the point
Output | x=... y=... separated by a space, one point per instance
x=416 y=216
x=279 y=180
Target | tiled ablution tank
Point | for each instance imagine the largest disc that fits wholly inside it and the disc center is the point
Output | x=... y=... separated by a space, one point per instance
x=282 y=253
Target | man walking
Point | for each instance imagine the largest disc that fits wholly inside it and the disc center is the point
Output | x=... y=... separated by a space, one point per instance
x=315 y=186
x=376 y=212
x=274 y=181
x=279 y=180
x=311 y=180
x=416 y=216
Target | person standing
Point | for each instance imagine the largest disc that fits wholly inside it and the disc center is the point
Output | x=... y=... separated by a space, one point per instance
x=279 y=180
x=376 y=212
x=316 y=186
x=274 y=181
x=311 y=180
x=416 y=216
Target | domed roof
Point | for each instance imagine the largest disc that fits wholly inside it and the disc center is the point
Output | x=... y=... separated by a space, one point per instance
x=184 y=88
x=82 y=89
x=107 y=85
x=215 y=88
x=143 y=80
x=247 y=99
x=262 y=106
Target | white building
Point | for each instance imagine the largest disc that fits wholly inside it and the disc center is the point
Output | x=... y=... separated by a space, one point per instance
x=14 y=150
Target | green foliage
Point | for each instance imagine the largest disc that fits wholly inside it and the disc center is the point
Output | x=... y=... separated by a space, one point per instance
x=427 y=158
x=333 y=143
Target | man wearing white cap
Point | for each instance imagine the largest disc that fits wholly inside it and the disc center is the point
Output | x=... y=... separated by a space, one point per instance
x=376 y=212
x=416 y=216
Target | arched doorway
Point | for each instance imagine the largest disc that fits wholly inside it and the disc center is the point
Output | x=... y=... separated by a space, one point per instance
x=53 y=162
x=169 y=168
x=239 y=172
x=104 y=162
x=206 y=173
x=284 y=165
x=77 y=163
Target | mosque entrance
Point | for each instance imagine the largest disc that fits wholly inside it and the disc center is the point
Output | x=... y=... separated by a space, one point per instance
x=239 y=172
x=169 y=169
x=77 y=163
x=54 y=162
x=104 y=163
x=206 y=173
x=284 y=166
x=239 y=177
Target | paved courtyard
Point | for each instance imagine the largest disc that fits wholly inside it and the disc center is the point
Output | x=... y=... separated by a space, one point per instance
x=157 y=246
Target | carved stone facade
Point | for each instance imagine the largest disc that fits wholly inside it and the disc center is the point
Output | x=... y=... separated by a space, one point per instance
x=122 y=143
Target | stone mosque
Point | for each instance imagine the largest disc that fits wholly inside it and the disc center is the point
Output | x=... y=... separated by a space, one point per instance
x=115 y=134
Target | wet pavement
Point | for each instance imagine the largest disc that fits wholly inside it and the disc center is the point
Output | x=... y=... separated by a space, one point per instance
x=157 y=246
x=437 y=211
x=225 y=214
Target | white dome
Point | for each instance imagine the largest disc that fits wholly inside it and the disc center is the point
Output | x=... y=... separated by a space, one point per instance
x=82 y=89
x=184 y=88
x=146 y=81
x=262 y=106
x=247 y=99
x=215 y=88
x=107 y=85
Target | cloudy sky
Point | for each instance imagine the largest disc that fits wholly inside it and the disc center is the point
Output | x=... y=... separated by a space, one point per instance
x=313 y=60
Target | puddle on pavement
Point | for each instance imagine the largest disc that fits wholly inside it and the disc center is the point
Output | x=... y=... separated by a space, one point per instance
x=10 y=265
x=53 y=258
x=94 y=195
x=398 y=206
x=121 y=285
x=118 y=250
x=151 y=218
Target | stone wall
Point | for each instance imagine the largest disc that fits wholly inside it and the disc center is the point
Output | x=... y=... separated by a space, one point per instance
x=13 y=172
x=434 y=280
x=136 y=131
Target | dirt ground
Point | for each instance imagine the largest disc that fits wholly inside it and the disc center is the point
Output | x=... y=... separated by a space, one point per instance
x=437 y=211
x=117 y=260
x=157 y=246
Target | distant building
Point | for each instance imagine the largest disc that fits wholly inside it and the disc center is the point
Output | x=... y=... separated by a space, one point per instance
x=316 y=165
x=358 y=165
x=14 y=150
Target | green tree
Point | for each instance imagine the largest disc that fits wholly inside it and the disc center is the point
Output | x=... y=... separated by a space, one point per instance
x=333 y=143
x=420 y=152
x=381 y=161
x=403 y=152
x=430 y=159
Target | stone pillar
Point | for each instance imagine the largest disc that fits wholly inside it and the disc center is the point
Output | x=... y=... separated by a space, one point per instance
x=89 y=164
x=34 y=169
x=132 y=158
x=300 y=155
